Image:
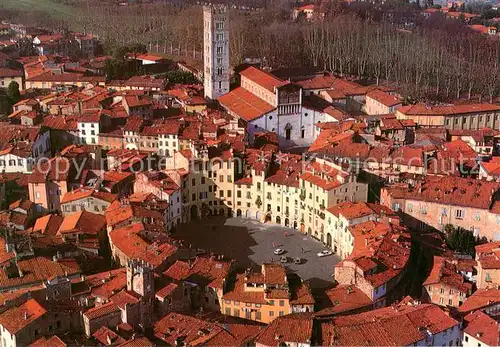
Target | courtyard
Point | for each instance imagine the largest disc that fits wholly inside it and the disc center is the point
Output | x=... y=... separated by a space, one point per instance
x=252 y=243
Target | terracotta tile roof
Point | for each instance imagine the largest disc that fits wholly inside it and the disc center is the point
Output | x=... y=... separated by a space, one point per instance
x=381 y=251
x=83 y=222
x=10 y=73
x=480 y=299
x=48 y=225
x=166 y=291
x=426 y=110
x=207 y=270
x=342 y=299
x=137 y=342
x=384 y=98
x=124 y=298
x=237 y=292
x=317 y=82
x=492 y=167
x=133 y=246
x=351 y=210
x=53 y=341
x=34 y=271
x=15 y=218
x=450 y=190
x=483 y=328
x=4 y=255
x=293 y=329
x=274 y=274
x=391 y=124
x=339 y=144
x=244 y=104
x=186 y=329
x=177 y=328
x=136 y=101
x=101 y=311
x=301 y=294
x=17 y=318
x=320 y=182
x=60 y=123
x=150 y=57
x=401 y=324
x=444 y=272
x=105 y=335
x=117 y=213
x=101 y=285
x=87 y=192
x=285 y=170
x=263 y=79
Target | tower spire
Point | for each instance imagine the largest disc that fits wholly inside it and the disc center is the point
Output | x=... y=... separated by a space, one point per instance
x=216 y=49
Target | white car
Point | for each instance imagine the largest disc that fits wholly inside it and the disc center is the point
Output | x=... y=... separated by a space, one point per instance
x=279 y=251
x=324 y=253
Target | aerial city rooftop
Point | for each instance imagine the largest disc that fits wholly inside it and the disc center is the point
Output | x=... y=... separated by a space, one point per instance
x=151 y=198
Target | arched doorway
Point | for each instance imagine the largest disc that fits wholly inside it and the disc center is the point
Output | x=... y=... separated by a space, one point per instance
x=287 y=222
x=329 y=240
x=267 y=218
x=238 y=213
x=278 y=220
x=221 y=211
x=229 y=212
x=288 y=131
x=215 y=212
x=194 y=212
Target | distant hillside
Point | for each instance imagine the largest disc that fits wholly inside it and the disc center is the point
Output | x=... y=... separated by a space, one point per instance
x=56 y=8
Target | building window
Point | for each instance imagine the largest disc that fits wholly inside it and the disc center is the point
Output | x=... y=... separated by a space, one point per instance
x=282 y=303
x=459 y=214
x=281 y=313
x=258 y=315
x=271 y=313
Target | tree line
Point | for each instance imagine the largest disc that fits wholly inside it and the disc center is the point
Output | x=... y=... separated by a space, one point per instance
x=437 y=59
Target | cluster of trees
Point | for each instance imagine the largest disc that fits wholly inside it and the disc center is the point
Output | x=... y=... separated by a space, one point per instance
x=9 y=97
x=462 y=240
x=439 y=59
x=179 y=76
x=119 y=66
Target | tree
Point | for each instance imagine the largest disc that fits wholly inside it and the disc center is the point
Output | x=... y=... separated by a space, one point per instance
x=461 y=240
x=179 y=76
x=13 y=93
x=5 y=106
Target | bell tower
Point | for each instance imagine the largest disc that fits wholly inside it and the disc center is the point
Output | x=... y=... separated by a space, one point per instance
x=216 y=50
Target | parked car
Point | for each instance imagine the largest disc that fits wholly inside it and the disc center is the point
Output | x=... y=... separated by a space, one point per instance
x=279 y=251
x=298 y=260
x=284 y=259
x=324 y=253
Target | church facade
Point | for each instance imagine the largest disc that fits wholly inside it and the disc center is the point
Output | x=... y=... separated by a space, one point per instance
x=266 y=103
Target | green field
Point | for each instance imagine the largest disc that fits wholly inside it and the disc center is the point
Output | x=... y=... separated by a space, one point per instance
x=51 y=7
